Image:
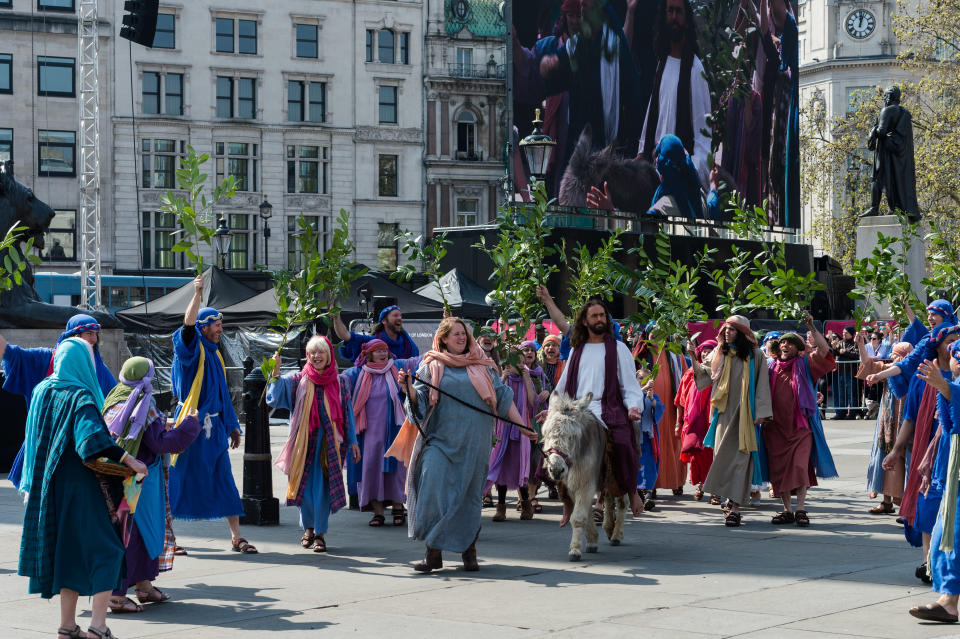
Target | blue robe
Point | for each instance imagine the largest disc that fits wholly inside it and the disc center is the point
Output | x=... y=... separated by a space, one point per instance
x=201 y=482
x=927 y=505
x=24 y=368
x=399 y=348
x=918 y=335
x=945 y=566
x=649 y=423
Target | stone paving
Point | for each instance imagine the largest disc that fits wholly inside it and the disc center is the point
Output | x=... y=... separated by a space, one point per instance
x=679 y=573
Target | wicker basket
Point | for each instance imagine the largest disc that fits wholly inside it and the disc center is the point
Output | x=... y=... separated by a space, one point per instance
x=105 y=466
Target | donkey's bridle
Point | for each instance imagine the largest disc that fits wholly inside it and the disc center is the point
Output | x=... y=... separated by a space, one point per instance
x=559 y=453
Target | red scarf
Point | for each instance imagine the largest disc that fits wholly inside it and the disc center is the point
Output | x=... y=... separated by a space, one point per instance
x=329 y=381
x=921 y=437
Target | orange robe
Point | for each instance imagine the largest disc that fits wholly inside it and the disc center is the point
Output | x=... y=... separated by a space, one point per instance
x=673 y=472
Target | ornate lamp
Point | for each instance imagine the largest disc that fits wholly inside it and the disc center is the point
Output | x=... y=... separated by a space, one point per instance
x=223 y=237
x=537 y=148
x=266 y=212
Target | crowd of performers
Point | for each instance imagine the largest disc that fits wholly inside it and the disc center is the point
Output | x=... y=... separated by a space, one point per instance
x=422 y=438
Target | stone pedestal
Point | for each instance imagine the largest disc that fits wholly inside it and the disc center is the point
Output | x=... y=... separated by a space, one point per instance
x=889 y=225
x=113 y=350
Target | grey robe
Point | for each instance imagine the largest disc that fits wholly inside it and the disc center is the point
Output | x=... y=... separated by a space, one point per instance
x=447 y=472
x=732 y=471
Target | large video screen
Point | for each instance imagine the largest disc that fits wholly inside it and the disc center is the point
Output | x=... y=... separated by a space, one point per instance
x=668 y=106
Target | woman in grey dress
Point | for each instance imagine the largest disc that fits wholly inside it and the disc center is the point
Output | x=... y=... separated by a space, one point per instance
x=448 y=466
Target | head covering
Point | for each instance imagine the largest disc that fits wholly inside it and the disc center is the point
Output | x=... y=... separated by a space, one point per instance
x=570 y=6
x=649 y=327
x=79 y=324
x=942 y=332
x=135 y=390
x=371 y=346
x=73 y=365
x=742 y=324
x=850 y=329
x=794 y=339
x=955 y=350
x=771 y=335
x=208 y=316
x=679 y=177
x=944 y=309
x=902 y=349
x=387 y=311
x=709 y=344
x=551 y=338
x=529 y=344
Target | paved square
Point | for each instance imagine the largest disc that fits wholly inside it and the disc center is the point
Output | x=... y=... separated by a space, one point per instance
x=679 y=573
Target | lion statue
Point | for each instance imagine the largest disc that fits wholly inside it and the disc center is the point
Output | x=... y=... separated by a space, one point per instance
x=21 y=306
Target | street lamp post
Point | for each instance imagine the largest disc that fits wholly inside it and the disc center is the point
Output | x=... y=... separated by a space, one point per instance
x=222 y=236
x=537 y=148
x=266 y=212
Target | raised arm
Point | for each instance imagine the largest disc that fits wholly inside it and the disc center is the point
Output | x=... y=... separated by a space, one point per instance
x=340 y=328
x=823 y=349
x=862 y=347
x=556 y=315
x=190 y=317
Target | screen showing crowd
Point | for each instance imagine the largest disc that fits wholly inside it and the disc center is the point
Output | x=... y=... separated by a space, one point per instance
x=668 y=107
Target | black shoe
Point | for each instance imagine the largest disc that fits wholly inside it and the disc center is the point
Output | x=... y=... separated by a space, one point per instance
x=921 y=573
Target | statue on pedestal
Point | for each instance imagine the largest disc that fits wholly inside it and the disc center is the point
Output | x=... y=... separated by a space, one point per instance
x=21 y=306
x=891 y=140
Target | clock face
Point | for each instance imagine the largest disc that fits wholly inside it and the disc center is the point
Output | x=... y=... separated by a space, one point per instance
x=861 y=23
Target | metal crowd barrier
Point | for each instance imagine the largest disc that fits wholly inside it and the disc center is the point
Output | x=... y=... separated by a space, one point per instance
x=845 y=395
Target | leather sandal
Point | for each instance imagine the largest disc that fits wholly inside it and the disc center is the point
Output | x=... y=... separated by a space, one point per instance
x=884 y=508
x=802 y=519
x=154 y=595
x=307 y=540
x=733 y=519
x=319 y=544
x=933 y=612
x=376 y=521
x=127 y=606
x=243 y=547
x=101 y=634
x=76 y=633
x=786 y=517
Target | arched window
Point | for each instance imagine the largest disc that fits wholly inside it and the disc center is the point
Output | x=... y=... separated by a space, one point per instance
x=385 y=46
x=467 y=135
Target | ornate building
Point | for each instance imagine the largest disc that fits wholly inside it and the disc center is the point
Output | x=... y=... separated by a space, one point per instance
x=465 y=86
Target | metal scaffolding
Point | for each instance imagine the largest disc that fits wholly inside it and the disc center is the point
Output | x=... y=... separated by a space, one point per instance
x=88 y=53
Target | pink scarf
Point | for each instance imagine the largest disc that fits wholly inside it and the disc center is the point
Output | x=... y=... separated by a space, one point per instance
x=360 y=398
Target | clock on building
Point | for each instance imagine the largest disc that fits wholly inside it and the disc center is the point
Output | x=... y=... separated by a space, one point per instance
x=860 y=24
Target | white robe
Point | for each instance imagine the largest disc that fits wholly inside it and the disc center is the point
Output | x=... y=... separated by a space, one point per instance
x=591 y=377
x=700 y=108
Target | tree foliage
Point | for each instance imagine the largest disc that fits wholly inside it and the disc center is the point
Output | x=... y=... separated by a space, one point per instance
x=882 y=277
x=590 y=273
x=428 y=255
x=15 y=259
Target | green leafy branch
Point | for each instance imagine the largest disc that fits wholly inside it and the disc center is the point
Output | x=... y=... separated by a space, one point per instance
x=591 y=270
x=313 y=292
x=428 y=255
x=882 y=277
x=15 y=259
x=195 y=214
x=943 y=262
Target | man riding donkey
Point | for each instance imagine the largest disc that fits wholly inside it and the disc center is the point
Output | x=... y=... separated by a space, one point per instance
x=601 y=365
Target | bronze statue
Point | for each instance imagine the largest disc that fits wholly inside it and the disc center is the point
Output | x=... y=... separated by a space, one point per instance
x=21 y=306
x=891 y=140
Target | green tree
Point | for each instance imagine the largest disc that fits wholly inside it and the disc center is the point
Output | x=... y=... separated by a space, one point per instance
x=428 y=255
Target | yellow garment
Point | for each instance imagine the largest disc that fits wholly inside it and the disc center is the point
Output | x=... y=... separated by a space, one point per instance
x=193 y=397
x=131 y=491
x=721 y=395
x=299 y=456
x=948 y=505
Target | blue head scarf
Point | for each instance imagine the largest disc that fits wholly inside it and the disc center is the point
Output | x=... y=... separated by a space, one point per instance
x=387 y=311
x=79 y=324
x=955 y=350
x=771 y=335
x=678 y=177
x=940 y=333
x=73 y=365
x=944 y=309
x=208 y=316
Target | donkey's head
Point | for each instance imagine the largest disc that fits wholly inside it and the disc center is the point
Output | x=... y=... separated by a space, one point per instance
x=563 y=432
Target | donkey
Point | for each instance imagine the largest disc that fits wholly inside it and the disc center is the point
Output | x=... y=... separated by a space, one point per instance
x=575 y=444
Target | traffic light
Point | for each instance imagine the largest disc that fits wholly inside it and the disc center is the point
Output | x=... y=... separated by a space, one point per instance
x=140 y=21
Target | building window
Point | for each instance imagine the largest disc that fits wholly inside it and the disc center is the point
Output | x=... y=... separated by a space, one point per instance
x=6 y=73
x=859 y=96
x=307 y=37
x=387 y=175
x=467 y=212
x=385 y=46
x=387 y=246
x=307 y=169
x=55 y=5
x=388 y=104
x=238 y=159
x=224 y=97
x=225 y=35
x=165 y=36
x=159 y=236
x=6 y=144
x=242 y=237
x=315 y=96
x=247 y=37
x=466 y=135
x=162 y=89
x=55 y=76
x=370 y=35
x=57 y=151
x=320 y=226
x=159 y=159
x=246 y=98
x=404 y=48
x=61 y=238
x=464 y=61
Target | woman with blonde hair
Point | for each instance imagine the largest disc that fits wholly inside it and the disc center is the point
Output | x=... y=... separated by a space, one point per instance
x=448 y=461
x=321 y=427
